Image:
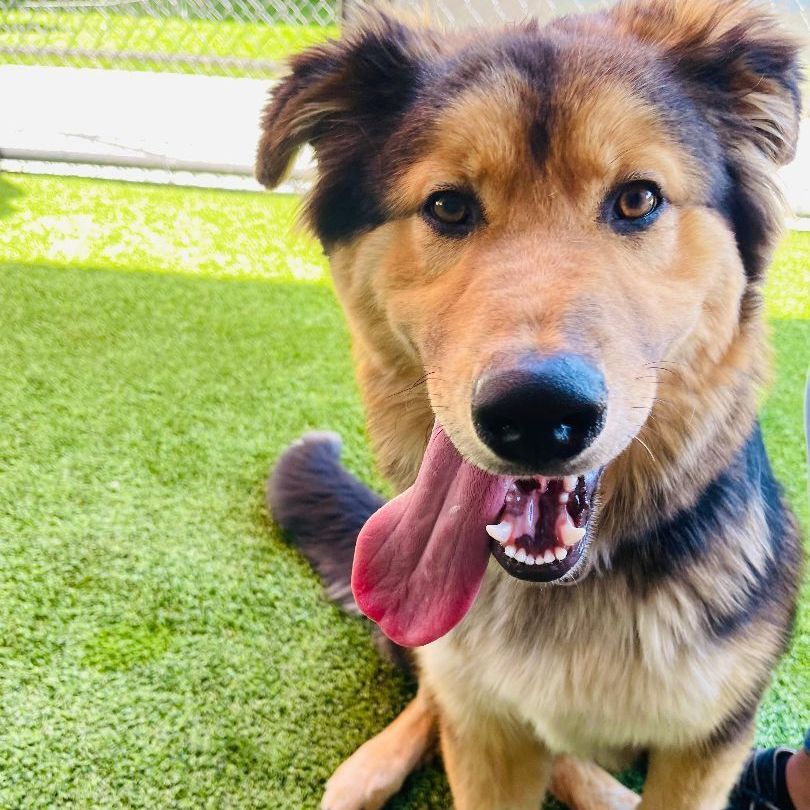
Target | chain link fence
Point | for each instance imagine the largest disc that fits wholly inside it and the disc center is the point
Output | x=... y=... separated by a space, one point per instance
x=226 y=37
x=483 y=12
x=220 y=37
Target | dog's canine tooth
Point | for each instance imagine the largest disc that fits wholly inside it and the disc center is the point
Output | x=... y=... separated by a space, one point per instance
x=500 y=532
x=560 y=553
x=569 y=483
x=570 y=534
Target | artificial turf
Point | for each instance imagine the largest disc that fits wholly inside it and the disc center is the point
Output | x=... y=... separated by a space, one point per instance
x=160 y=645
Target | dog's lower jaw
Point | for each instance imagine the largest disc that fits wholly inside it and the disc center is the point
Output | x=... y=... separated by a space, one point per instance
x=545 y=528
x=557 y=572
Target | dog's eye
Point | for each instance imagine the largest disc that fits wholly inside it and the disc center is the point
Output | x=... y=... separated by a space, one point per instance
x=451 y=208
x=637 y=200
x=452 y=213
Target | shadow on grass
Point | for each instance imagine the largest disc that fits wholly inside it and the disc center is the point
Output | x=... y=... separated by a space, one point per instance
x=8 y=193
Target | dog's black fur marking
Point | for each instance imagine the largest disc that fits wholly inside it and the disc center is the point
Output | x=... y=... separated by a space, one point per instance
x=748 y=222
x=322 y=507
x=693 y=536
x=738 y=722
x=536 y=59
x=711 y=75
x=383 y=76
x=773 y=597
x=347 y=206
x=345 y=98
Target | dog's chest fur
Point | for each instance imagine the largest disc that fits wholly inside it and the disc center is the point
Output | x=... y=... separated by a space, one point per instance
x=595 y=669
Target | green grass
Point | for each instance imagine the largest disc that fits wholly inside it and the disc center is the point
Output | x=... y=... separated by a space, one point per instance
x=168 y=37
x=160 y=646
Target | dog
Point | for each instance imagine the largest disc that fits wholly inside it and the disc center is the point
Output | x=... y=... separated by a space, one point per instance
x=550 y=244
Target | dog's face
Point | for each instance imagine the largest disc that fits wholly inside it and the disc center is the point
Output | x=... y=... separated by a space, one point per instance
x=566 y=217
x=546 y=221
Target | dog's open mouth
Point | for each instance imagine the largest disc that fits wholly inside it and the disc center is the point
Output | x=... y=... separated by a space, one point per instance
x=420 y=559
x=541 y=530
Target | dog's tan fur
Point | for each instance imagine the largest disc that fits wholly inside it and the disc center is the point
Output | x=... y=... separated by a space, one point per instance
x=606 y=669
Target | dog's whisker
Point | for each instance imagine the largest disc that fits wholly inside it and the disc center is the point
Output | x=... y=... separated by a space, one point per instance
x=636 y=439
x=668 y=370
x=655 y=401
x=657 y=379
x=650 y=415
x=670 y=363
x=419 y=382
x=655 y=419
x=646 y=427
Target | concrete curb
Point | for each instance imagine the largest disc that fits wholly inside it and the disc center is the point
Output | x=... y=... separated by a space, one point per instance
x=167 y=122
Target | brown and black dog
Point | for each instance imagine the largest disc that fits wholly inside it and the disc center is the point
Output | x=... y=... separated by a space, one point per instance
x=550 y=244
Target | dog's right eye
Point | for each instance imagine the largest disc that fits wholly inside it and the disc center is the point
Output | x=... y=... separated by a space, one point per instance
x=452 y=213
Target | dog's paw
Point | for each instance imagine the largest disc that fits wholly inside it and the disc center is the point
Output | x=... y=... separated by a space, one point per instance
x=365 y=781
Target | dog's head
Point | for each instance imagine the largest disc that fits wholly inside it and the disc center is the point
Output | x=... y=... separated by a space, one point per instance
x=543 y=221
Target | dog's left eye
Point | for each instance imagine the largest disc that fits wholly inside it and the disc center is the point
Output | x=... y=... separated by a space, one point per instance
x=452 y=213
x=637 y=201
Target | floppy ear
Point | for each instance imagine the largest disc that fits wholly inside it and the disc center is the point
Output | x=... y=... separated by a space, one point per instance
x=344 y=98
x=741 y=68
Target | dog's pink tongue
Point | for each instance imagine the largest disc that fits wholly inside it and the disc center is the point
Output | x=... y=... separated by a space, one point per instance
x=420 y=560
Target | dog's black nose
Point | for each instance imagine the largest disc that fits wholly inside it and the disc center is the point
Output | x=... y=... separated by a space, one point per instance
x=544 y=410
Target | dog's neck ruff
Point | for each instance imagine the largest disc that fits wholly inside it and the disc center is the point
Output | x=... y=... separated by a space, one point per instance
x=420 y=560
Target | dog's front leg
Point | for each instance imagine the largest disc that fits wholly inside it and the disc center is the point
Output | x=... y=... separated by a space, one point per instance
x=699 y=778
x=492 y=762
x=582 y=785
x=376 y=770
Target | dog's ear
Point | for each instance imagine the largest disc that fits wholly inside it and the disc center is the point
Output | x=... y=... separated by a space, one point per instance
x=736 y=60
x=340 y=96
x=345 y=98
x=741 y=69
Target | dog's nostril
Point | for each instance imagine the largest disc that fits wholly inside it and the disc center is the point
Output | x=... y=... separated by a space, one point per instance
x=544 y=410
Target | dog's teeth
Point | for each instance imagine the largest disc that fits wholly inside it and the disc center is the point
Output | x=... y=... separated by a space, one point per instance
x=570 y=534
x=549 y=557
x=500 y=531
x=569 y=483
x=563 y=498
x=521 y=555
x=510 y=551
x=560 y=553
x=529 y=559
